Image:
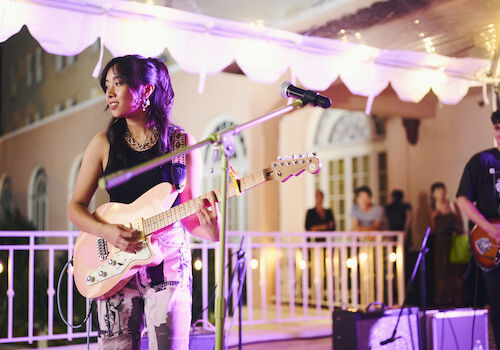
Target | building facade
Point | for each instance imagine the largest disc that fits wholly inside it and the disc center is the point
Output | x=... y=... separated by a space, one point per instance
x=40 y=157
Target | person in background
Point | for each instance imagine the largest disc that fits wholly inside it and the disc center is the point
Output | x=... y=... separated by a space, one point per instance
x=478 y=197
x=446 y=221
x=319 y=218
x=365 y=215
x=398 y=215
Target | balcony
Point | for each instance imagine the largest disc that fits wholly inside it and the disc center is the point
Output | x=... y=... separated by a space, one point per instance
x=292 y=282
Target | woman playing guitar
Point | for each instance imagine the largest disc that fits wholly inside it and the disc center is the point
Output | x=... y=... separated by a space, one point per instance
x=140 y=97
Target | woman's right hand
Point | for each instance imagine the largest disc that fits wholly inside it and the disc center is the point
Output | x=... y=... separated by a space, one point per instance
x=123 y=237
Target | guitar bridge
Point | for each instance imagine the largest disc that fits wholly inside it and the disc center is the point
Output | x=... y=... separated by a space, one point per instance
x=102 y=249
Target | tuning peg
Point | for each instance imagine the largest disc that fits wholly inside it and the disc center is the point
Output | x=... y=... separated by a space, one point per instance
x=301 y=155
x=292 y=156
x=280 y=158
x=274 y=165
x=315 y=154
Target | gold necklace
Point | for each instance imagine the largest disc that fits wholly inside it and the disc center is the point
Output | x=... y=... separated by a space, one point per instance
x=150 y=142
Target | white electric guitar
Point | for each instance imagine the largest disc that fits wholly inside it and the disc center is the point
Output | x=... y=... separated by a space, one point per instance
x=100 y=269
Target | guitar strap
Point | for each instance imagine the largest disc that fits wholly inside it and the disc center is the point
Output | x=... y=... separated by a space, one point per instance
x=179 y=168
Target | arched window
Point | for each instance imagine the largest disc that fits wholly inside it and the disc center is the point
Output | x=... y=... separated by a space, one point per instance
x=6 y=206
x=352 y=148
x=237 y=206
x=38 y=206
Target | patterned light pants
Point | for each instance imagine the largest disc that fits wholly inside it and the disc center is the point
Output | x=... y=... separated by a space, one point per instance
x=166 y=309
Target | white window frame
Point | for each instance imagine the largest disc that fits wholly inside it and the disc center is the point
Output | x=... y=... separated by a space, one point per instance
x=29 y=70
x=70 y=60
x=38 y=65
x=346 y=151
x=237 y=207
x=13 y=81
x=70 y=102
x=58 y=107
x=42 y=222
x=59 y=63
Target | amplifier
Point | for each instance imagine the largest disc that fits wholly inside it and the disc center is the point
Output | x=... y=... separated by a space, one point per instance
x=452 y=329
x=199 y=339
x=365 y=330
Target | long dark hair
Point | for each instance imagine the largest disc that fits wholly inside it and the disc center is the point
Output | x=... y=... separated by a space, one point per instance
x=434 y=187
x=135 y=71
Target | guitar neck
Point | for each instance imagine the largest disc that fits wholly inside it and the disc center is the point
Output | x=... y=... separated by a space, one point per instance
x=183 y=210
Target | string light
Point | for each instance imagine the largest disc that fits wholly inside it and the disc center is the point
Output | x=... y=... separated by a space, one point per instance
x=198 y=265
x=429 y=46
x=302 y=264
x=393 y=257
x=351 y=262
x=1 y=266
x=363 y=257
x=254 y=263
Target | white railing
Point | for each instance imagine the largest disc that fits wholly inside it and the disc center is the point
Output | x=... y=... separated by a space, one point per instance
x=290 y=277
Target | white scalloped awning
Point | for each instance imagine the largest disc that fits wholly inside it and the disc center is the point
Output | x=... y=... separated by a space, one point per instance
x=206 y=45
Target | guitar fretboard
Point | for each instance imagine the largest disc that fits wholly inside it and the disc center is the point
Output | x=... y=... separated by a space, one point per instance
x=183 y=210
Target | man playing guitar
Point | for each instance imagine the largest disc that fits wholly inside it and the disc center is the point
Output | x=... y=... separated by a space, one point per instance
x=479 y=198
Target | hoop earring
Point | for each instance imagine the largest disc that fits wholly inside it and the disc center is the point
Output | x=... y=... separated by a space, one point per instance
x=145 y=104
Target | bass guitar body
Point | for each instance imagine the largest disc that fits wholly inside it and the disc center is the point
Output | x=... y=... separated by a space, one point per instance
x=486 y=250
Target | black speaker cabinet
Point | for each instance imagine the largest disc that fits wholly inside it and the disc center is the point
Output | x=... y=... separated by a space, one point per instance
x=365 y=330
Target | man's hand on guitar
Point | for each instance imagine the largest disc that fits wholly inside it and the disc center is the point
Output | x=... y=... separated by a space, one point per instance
x=208 y=216
x=123 y=237
x=493 y=231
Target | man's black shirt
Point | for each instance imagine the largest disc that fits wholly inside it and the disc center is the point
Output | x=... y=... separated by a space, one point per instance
x=478 y=182
x=395 y=214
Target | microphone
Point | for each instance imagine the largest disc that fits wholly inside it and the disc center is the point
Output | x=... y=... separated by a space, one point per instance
x=306 y=96
x=390 y=340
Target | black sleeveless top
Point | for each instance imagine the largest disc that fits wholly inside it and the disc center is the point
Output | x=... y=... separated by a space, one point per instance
x=131 y=190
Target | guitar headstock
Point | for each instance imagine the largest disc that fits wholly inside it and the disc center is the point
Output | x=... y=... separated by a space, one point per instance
x=284 y=167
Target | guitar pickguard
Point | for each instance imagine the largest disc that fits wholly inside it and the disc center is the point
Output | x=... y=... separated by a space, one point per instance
x=483 y=245
x=117 y=264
